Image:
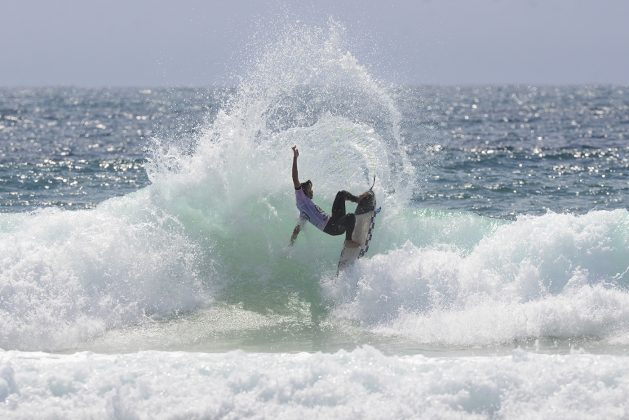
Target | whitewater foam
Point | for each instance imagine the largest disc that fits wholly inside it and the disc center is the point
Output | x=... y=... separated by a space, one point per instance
x=67 y=276
x=363 y=383
x=557 y=275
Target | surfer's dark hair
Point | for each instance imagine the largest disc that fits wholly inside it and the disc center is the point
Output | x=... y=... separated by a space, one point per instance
x=303 y=184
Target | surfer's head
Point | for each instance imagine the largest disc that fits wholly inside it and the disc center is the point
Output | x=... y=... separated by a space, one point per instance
x=307 y=187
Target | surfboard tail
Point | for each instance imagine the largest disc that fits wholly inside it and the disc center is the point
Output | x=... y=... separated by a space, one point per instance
x=363 y=231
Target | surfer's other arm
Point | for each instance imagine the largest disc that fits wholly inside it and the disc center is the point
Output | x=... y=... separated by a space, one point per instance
x=295 y=172
x=295 y=233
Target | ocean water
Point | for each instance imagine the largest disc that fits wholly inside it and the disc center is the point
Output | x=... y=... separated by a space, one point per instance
x=145 y=270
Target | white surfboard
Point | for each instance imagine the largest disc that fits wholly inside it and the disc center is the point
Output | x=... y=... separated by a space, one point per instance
x=363 y=230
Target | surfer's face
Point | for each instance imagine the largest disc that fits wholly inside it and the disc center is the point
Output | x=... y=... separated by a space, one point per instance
x=308 y=189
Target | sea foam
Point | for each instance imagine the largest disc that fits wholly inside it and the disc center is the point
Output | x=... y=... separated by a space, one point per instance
x=68 y=276
x=363 y=383
x=557 y=275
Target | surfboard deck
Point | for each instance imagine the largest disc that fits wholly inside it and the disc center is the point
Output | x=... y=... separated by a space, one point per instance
x=363 y=230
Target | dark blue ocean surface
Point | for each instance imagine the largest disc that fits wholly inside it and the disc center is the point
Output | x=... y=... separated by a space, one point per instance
x=74 y=148
x=498 y=151
x=513 y=150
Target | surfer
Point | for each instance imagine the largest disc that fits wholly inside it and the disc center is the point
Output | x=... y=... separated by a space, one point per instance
x=340 y=222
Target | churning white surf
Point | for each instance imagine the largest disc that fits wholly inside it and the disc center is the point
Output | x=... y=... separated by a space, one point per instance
x=556 y=275
x=363 y=383
x=68 y=276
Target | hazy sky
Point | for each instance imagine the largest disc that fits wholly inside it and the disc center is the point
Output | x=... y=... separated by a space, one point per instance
x=200 y=43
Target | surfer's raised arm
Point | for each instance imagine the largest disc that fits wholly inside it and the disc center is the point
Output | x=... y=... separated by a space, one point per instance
x=297 y=185
x=295 y=173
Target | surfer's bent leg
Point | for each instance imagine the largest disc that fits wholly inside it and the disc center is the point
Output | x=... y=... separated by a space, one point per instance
x=340 y=222
x=351 y=197
x=349 y=222
x=339 y=225
x=338 y=207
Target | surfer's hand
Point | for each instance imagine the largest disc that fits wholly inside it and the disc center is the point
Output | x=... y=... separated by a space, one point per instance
x=295 y=152
x=294 y=235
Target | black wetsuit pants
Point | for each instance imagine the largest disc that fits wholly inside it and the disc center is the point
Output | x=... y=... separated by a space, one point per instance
x=340 y=222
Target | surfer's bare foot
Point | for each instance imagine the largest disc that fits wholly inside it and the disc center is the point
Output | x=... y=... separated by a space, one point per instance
x=363 y=195
x=351 y=244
